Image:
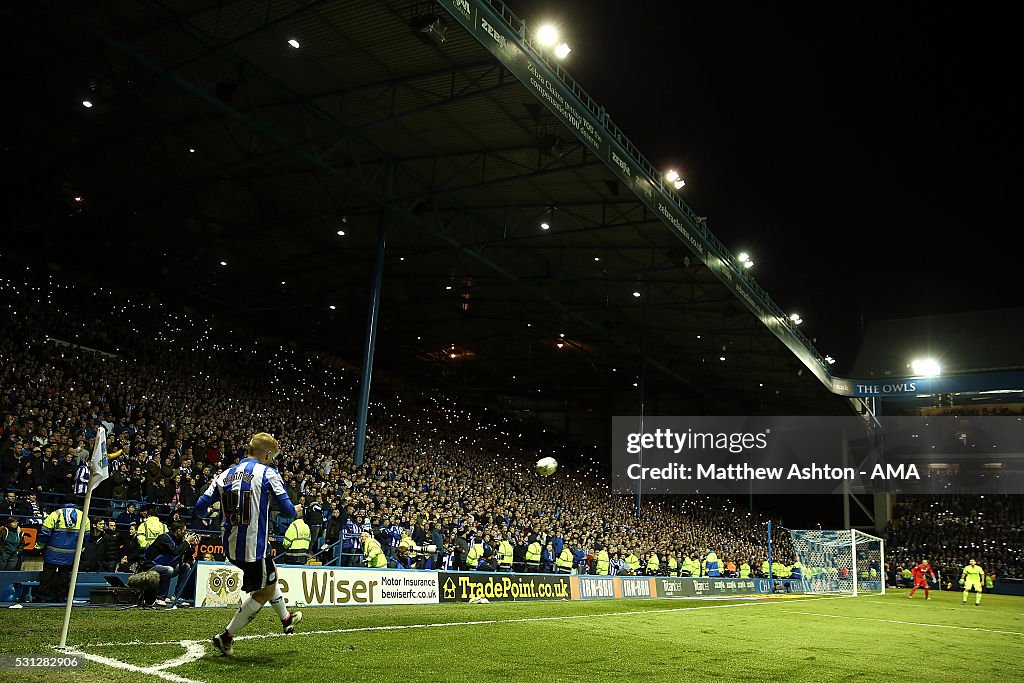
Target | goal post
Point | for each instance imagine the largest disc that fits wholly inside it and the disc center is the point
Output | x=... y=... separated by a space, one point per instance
x=840 y=561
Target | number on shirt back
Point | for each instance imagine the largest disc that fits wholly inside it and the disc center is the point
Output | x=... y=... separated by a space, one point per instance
x=238 y=506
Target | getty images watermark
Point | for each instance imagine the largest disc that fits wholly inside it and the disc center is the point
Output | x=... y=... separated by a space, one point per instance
x=815 y=455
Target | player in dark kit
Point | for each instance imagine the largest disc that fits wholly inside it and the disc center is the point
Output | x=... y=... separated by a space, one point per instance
x=918 y=572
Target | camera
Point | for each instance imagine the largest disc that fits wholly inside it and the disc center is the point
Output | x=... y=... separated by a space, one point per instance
x=426 y=549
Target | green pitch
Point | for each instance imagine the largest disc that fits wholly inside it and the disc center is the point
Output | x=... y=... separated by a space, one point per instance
x=870 y=638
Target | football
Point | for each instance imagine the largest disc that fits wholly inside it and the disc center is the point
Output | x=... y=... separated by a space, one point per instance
x=546 y=466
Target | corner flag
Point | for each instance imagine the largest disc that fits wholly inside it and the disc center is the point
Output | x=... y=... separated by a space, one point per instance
x=98 y=471
x=98 y=467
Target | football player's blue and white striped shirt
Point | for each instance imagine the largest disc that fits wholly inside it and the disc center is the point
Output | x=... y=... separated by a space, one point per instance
x=244 y=492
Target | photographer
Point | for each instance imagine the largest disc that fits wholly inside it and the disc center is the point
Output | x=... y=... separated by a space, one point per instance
x=112 y=550
x=401 y=560
x=436 y=540
x=170 y=555
x=131 y=553
x=94 y=548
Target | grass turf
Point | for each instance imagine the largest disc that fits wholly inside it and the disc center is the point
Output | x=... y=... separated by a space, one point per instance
x=870 y=638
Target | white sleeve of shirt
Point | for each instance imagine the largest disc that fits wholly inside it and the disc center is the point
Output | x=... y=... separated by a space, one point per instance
x=275 y=482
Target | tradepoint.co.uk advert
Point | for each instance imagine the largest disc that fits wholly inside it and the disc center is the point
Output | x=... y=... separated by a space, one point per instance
x=726 y=455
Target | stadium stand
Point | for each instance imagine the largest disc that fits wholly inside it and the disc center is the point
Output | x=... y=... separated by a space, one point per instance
x=950 y=530
x=183 y=397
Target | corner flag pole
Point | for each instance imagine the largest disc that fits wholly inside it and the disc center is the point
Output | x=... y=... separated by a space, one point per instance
x=98 y=471
x=74 y=567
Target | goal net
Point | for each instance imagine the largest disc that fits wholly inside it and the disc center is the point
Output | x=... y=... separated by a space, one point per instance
x=845 y=561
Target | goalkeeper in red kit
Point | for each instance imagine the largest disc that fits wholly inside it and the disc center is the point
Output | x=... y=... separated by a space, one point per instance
x=918 y=572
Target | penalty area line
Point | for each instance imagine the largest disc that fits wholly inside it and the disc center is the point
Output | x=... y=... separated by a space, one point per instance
x=909 y=623
x=445 y=624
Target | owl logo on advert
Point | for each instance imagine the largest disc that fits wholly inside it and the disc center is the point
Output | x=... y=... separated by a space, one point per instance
x=223 y=589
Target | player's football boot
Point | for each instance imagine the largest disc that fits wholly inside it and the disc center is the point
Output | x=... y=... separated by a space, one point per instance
x=222 y=641
x=293 y=619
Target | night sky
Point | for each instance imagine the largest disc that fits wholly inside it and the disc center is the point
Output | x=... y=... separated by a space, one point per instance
x=864 y=153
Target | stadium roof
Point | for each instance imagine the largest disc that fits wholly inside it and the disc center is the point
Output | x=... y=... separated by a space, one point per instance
x=221 y=166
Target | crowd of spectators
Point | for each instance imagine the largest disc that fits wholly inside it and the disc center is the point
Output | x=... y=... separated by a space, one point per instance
x=180 y=398
x=951 y=530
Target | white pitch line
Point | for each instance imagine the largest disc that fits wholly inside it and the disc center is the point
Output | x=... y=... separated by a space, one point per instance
x=194 y=650
x=910 y=623
x=118 y=664
x=443 y=624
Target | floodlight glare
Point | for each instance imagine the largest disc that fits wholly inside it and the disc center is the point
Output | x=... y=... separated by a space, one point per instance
x=795 y=318
x=544 y=226
x=744 y=256
x=294 y=43
x=86 y=103
x=673 y=177
x=562 y=50
x=925 y=367
x=748 y=264
x=636 y=294
x=547 y=35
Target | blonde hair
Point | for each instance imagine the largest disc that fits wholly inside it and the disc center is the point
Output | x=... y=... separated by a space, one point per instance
x=263 y=444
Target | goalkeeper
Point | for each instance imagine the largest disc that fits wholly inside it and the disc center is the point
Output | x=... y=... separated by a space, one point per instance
x=920 y=580
x=972 y=578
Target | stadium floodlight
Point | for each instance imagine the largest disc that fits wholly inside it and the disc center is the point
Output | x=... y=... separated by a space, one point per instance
x=673 y=177
x=745 y=259
x=795 y=318
x=562 y=50
x=294 y=43
x=636 y=294
x=926 y=367
x=545 y=226
x=430 y=28
x=830 y=360
x=547 y=35
x=87 y=104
